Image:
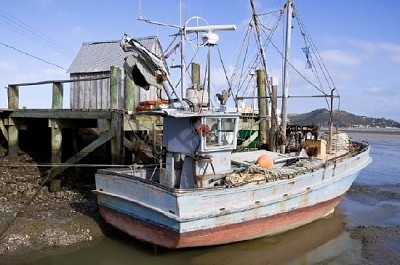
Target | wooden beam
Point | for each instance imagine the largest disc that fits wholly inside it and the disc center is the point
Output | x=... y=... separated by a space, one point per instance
x=62 y=114
x=3 y=130
x=106 y=136
x=13 y=97
x=137 y=152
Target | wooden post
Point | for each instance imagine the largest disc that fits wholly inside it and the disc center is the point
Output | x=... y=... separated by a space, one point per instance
x=274 y=115
x=56 y=142
x=262 y=105
x=129 y=93
x=13 y=97
x=117 y=125
x=13 y=140
x=58 y=92
x=13 y=103
x=56 y=134
x=196 y=73
x=117 y=139
x=115 y=87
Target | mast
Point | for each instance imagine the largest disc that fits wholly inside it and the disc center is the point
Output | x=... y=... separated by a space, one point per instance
x=264 y=62
x=285 y=90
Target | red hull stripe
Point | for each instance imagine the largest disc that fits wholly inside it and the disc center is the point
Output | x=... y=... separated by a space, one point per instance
x=269 y=225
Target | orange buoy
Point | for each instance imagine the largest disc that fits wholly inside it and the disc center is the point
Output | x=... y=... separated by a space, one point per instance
x=265 y=161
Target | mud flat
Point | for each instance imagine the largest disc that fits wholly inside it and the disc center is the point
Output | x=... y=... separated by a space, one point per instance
x=32 y=218
x=377 y=209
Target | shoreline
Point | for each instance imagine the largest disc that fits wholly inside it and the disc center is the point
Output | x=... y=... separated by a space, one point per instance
x=395 y=131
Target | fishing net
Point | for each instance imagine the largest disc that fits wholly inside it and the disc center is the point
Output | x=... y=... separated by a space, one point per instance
x=257 y=175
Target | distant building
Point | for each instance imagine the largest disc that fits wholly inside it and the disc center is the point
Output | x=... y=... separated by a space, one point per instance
x=93 y=61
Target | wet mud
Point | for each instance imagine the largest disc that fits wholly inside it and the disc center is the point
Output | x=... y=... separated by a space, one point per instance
x=33 y=218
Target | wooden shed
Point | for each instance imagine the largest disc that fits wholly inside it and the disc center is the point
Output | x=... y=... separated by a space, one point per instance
x=93 y=61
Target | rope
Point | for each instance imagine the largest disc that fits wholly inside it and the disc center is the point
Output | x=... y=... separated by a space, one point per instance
x=253 y=173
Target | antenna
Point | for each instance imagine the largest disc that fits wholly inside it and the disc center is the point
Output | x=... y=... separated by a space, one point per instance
x=140 y=16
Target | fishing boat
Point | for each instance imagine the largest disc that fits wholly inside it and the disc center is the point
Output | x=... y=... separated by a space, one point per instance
x=204 y=192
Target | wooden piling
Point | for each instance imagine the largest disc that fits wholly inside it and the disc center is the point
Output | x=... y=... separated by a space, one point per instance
x=13 y=97
x=56 y=142
x=274 y=115
x=262 y=105
x=58 y=92
x=129 y=93
x=13 y=140
x=117 y=117
x=115 y=87
x=13 y=103
x=56 y=134
x=117 y=133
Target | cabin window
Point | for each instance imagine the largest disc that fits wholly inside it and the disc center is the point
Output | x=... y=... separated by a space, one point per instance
x=222 y=133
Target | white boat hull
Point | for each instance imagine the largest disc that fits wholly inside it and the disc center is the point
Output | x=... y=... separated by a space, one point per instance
x=176 y=218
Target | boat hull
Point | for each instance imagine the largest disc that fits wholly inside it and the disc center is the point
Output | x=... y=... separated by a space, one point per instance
x=174 y=218
x=252 y=229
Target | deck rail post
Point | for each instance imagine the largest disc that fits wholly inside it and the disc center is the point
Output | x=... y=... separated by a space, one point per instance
x=13 y=96
x=115 y=88
x=13 y=103
x=58 y=91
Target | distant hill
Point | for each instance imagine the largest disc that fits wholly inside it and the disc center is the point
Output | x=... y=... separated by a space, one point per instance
x=341 y=119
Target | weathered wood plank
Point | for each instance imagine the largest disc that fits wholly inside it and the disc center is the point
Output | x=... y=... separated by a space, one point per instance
x=62 y=114
x=137 y=152
x=3 y=130
x=106 y=136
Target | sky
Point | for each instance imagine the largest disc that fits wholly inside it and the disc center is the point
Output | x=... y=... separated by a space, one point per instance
x=359 y=43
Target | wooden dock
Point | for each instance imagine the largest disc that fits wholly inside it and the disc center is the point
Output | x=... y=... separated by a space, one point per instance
x=113 y=125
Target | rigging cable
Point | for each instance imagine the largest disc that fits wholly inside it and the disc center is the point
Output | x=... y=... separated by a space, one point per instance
x=313 y=47
x=33 y=56
x=33 y=34
x=226 y=76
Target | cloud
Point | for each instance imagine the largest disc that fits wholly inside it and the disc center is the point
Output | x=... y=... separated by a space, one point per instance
x=46 y=2
x=77 y=31
x=7 y=66
x=389 y=49
x=340 y=57
x=375 y=90
x=392 y=48
x=367 y=46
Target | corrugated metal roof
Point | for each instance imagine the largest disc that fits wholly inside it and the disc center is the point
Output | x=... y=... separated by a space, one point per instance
x=100 y=56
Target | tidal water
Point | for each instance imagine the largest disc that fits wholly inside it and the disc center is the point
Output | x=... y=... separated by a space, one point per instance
x=326 y=241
